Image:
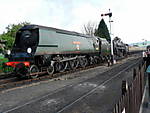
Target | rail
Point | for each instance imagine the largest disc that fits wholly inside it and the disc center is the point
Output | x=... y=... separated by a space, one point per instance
x=132 y=95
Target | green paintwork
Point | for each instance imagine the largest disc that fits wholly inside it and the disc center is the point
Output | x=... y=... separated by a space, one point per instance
x=51 y=41
x=58 y=41
x=105 y=47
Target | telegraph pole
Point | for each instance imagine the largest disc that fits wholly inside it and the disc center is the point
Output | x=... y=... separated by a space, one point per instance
x=110 y=15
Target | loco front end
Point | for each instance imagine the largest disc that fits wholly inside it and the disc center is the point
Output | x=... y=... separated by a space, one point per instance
x=21 y=57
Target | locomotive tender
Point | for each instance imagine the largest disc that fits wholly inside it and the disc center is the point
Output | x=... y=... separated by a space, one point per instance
x=38 y=49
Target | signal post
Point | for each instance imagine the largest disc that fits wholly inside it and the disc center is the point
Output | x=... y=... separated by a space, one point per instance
x=112 y=53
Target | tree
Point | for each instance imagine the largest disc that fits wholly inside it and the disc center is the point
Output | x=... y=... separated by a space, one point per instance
x=89 y=28
x=102 y=31
x=10 y=33
x=2 y=46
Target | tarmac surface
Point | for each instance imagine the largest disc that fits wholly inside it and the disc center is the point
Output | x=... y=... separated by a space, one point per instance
x=94 y=90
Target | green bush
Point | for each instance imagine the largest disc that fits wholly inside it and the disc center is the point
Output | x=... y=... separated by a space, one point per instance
x=3 y=68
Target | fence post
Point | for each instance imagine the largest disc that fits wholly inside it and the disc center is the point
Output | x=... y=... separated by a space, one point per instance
x=124 y=87
x=134 y=73
x=148 y=73
x=149 y=86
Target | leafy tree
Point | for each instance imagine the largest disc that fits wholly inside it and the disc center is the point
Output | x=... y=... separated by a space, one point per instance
x=10 y=33
x=102 y=31
x=2 y=45
x=9 y=40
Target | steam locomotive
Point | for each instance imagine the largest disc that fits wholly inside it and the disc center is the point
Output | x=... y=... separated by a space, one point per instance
x=39 y=49
x=120 y=49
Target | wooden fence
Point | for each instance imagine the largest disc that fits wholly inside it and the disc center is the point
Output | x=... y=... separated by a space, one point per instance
x=132 y=95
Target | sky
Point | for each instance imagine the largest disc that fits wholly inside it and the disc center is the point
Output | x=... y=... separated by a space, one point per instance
x=131 y=18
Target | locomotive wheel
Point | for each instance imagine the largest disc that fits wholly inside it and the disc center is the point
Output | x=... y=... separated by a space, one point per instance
x=50 y=70
x=60 y=66
x=57 y=66
x=74 y=64
x=102 y=59
x=64 y=66
x=96 y=60
x=20 y=70
x=91 y=59
x=34 y=69
x=83 y=62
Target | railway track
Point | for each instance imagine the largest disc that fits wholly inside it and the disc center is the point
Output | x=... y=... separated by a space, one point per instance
x=69 y=101
x=7 y=83
x=8 y=80
x=90 y=92
x=5 y=75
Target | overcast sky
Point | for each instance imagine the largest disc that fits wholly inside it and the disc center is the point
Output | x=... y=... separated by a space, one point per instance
x=131 y=17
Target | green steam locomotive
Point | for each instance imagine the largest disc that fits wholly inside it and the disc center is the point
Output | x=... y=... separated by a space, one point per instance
x=39 y=49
